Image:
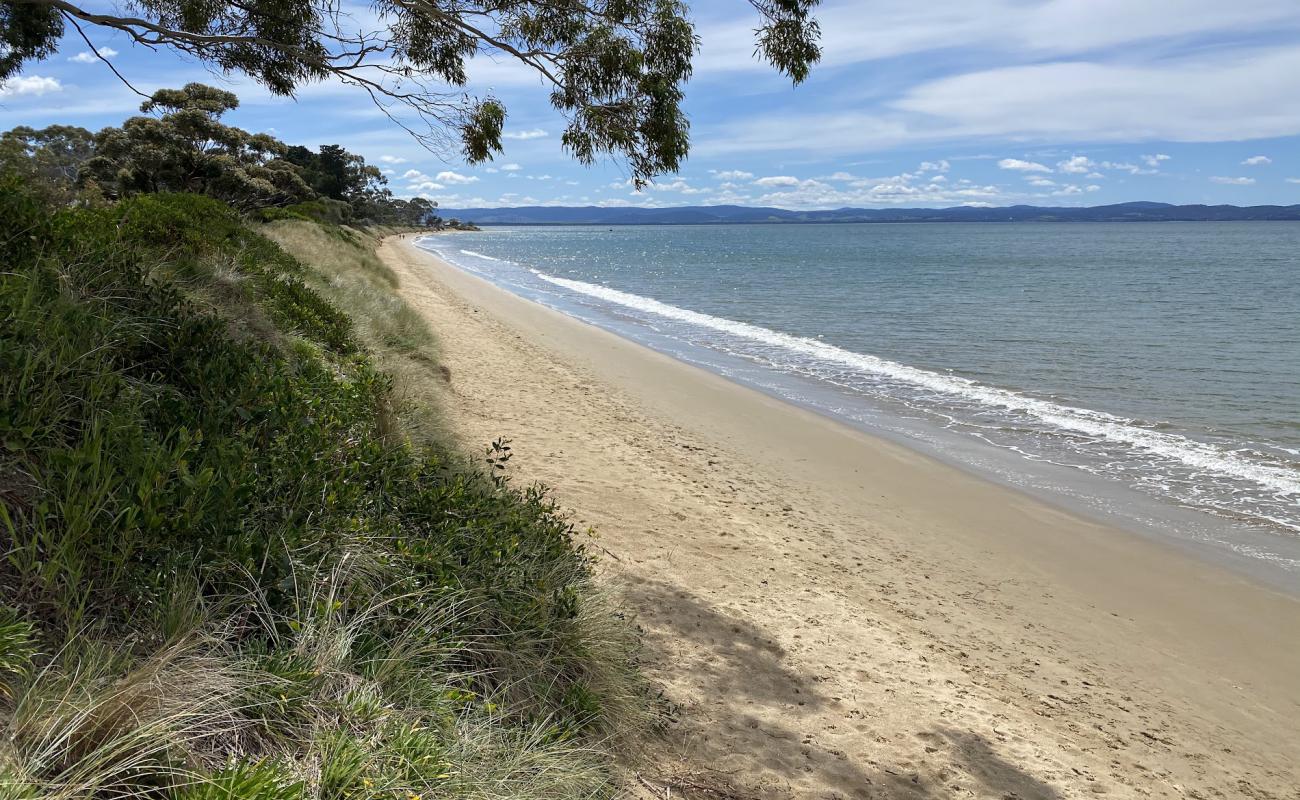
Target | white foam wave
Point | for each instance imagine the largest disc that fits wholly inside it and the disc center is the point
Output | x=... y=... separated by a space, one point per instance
x=1196 y=455
x=482 y=256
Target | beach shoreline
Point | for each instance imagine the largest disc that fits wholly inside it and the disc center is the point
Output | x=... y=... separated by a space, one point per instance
x=837 y=615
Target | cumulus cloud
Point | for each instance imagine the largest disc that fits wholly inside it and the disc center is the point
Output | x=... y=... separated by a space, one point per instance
x=417 y=181
x=841 y=176
x=907 y=188
x=777 y=180
x=447 y=176
x=1036 y=180
x=392 y=159
x=34 y=85
x=941 y=165
x=510 y=167
x=534 y=133
x=1230 y=181
x=1023 y=166
x=732 y=174
x=1153 y=161
x=89 y=57
x=1257 y=161
x=1078 y=165
x=678 y=185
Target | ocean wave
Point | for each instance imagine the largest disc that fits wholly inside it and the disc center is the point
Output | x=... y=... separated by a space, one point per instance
x=485 y=257
x=1197 y=456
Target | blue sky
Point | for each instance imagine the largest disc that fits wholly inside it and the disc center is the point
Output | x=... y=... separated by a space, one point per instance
x=988 y=102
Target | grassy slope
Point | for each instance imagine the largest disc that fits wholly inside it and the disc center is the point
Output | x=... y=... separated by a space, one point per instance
x=227 y=570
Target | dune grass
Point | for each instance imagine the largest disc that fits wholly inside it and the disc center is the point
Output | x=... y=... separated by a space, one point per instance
x=228 y=573
x=346 y=269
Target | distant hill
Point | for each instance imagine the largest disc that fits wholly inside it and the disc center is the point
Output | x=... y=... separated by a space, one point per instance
x=736 y=215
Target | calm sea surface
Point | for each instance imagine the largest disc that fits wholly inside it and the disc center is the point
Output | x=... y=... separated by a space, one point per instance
x=1149 y=372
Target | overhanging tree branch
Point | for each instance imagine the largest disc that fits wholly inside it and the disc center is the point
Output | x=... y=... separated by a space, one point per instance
x=615 y=68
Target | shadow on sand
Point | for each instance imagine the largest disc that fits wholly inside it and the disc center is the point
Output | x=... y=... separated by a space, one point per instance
x=757 y=749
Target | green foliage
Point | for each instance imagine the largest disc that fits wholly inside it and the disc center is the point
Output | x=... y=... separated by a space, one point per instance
x=333 y=212
x=175 y=399
x=49 y=160
x=27 y=32
x=187 y=148
x=614 y=68
x=257 y=780
x=17 y=645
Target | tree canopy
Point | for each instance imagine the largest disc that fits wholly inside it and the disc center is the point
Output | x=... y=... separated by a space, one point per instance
x=614 y=68
x=180 y=144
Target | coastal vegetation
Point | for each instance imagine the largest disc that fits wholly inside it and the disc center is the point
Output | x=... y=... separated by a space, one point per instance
x=179 y=143
x=239 y=560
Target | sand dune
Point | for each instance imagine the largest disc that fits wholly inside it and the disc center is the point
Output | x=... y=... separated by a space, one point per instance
x=836 y=616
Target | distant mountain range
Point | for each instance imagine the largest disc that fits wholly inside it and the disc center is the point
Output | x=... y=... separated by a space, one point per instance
x=739 y=215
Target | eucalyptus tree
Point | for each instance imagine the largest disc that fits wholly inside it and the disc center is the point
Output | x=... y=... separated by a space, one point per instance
x=614 y=68
x=185 y=147
x=50 y=160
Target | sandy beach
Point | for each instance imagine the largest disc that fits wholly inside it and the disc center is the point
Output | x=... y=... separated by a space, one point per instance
x=833 y=615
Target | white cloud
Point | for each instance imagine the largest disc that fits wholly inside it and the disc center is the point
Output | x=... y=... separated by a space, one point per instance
x=907 y=188
x=1153 y=161
x=1035 y=180
x=732 y=175
x=777 y=180
x=534 y=133
x=1257 y=161
x=1129 y=167
x=1023 y=166
x=841 y=176
x=1293 y=180
x=89 y=57
x=1229 y=181
x=29 y=85
x=1077 y=165
x=1061 y=28
x=448 y=176
x=510 y=167
x=1225 y=94
x=417 y=181
x=941 y=165
x=1228 y=96
x=678 y=185
x=392 y=159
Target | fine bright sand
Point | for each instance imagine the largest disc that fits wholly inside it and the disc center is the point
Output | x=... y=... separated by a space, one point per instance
x=833 y=615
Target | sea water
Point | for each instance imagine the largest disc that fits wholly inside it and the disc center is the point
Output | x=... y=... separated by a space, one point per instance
x=1146 y=372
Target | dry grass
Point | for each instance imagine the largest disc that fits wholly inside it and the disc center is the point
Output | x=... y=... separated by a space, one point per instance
x=353 y=277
